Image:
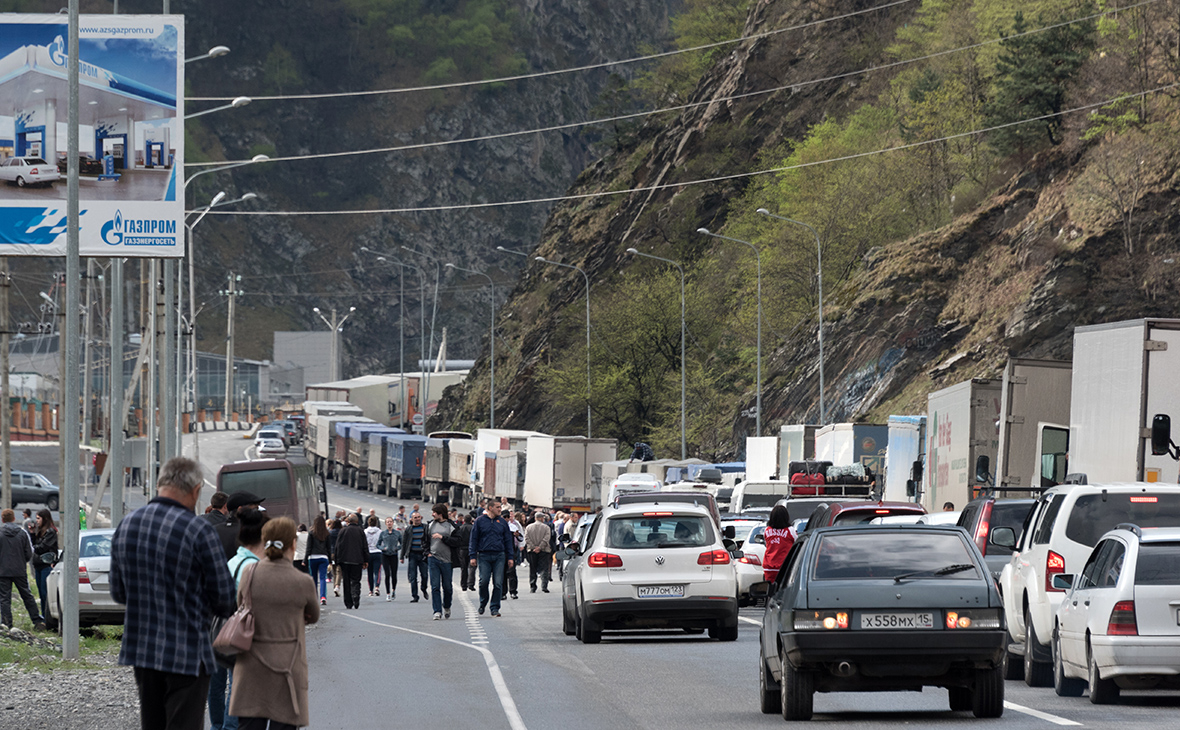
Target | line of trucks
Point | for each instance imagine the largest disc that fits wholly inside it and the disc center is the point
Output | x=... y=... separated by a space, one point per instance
x=1041 y=423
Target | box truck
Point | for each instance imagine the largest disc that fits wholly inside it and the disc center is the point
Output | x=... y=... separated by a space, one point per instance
x=557 y=472
x=1034 y=425
x=762 y=454
x=1123 y=374
x=960 y=427
x=853 y=443
x=796 y=442
x=905 y=457
x=370 y=393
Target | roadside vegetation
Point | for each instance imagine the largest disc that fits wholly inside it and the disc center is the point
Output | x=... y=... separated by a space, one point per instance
x=98 y=646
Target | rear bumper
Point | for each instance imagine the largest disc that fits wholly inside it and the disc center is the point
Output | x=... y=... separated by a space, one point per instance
x=1125 y=656
x=639 y=613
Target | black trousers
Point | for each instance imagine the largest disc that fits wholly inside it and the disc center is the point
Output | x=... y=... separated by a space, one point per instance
x=22 y=587
x=170 y=701
x=539 y=565
x=464 y=570
x=389 y=563
x=510 y=581
x=352 y=584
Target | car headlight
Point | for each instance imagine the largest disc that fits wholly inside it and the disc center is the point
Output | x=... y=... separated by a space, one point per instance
x=821 y=620
x=975 y=618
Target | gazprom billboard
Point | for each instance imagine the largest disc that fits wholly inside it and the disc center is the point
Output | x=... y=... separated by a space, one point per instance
x=131 y=134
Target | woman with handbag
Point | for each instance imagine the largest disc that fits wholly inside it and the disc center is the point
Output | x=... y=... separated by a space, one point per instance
x=44 y=555
x=270 y=678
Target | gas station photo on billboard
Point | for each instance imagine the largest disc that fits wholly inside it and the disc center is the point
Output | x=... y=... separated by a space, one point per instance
x=130 y=134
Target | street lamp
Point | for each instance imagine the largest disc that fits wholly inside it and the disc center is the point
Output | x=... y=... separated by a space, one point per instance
x=683 y=419
x=819 y=252
x=253 y=160
x=336 y=326
x=213 y=52
x=544 y=260
x=237 y=103
x=758 y=393
x=492 y=336
x=402 y=324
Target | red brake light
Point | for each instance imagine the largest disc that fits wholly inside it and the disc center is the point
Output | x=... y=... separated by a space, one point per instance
x=1122 y=620
x=657 y=514
x=881 y=511
x=985 y=522
x=1145 y=499
x=1054 y=564
x=604 y=560
x=713 y=557
x=750 y=559
x=83 y=576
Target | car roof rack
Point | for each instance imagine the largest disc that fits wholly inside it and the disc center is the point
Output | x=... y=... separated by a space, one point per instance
x=1130 y=527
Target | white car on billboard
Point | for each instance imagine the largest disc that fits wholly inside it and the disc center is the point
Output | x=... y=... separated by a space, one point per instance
x=25 y=171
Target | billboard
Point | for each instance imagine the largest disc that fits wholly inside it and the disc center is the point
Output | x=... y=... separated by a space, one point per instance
x=131 y=134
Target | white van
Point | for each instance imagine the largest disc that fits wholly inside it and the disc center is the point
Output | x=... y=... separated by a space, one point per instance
x=751 y=494
x=632 y=483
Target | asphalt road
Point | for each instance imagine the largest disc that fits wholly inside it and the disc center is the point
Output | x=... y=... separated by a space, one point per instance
x=389 y=664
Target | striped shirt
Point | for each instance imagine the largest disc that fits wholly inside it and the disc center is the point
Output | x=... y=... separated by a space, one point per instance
x=168 y=567
x=417 y=538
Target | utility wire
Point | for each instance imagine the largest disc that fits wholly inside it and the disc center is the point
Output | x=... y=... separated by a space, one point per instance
x=559 y=72
x=703 y=181
x=681 y=107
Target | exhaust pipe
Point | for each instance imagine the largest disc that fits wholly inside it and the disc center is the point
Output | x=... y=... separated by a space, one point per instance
x=844 y=669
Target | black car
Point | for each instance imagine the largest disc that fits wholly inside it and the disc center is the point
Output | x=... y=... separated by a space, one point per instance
x=871 y=608
x=983 y=515
x=32 y=488
x=86 y=165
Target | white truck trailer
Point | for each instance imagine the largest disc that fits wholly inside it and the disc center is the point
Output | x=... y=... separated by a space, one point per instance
x=762 y=454
x=905 y=457
x=557 y=472
x=1034 y=418
x=1123 y=374
x=796 y=442
x=960 y=427
x=369 y=392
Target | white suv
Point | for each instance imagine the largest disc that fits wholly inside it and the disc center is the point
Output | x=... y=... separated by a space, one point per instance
x=1119 y=624
x=653 y=566
x=1057 y=537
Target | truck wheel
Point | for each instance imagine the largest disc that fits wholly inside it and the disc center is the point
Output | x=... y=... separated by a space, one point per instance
x=798 y=692
x=988 y=698
x=1036 y=674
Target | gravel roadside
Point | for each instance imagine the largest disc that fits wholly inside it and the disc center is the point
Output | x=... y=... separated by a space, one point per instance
x=95 y=698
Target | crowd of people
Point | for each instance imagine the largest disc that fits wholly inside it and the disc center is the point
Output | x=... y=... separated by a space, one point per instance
x=30 y=545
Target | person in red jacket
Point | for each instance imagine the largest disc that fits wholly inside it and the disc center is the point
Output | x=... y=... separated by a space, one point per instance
x=779 y=536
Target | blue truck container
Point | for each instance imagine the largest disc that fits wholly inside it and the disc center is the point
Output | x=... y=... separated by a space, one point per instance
x=405 y=459
x=356 y=467
x=378 y=478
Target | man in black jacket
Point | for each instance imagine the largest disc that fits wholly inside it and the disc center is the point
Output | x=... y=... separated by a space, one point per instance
x=228 y=530
x=466 y=576
x=352 y=555
x=15 y=553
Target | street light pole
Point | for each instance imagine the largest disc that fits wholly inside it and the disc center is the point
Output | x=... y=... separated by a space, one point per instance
x=233 y=293
x=492 y=336
x=758 y=256
x=421 y=328
x=544 y=260
x=683 y=419
x=336 y=326
x=433 y=314
x=819 y=252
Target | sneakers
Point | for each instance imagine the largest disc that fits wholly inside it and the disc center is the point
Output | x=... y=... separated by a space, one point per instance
x=388 y=598
x=446 y=613
x=514 y=596
x=336 y=591
x=370 y=594
x=437 y=615
x=496 y=614
x=414 y=599
x=377 y=592
x=323 y=601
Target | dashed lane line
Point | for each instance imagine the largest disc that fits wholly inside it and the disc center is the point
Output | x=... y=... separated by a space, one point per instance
x=1041 y=715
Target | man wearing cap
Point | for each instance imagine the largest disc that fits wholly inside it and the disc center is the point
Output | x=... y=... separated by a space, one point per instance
x=168 y=568
x=228 y=530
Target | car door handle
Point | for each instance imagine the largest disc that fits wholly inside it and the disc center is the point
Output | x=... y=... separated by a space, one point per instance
x=1087 y=603
x=1075 y=603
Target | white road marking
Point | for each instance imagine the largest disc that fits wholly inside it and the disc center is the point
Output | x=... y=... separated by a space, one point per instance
x=515 y=721
x=749 y=620
x=1041 y=715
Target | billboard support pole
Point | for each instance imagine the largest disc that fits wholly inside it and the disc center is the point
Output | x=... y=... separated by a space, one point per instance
x=168 y=447
x=69 y=431
x=118 y=408
x=5 y=391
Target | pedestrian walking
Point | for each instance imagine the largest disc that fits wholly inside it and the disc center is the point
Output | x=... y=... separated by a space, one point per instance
x=536 y=545
x=390 y=545
x=511 y=584
x=444 y=541
x=318 y=551
x=372 y=534
x=466 y=576
x=779 y=537
x=490 y=547
x=16 y=550
x=352 y=555
x=28 y=522
x=337 y=574
x=415 y=548
x=400 y=520
x=228 y=530
x=218 y=512
x=270 y=691
x=168 y=567
x=44 y=558
x=221 y=679
x=301 y=548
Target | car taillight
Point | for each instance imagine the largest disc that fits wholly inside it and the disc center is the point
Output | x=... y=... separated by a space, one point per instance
x=813 y=620
x=1054 y=564
x=604 y=560
x=750 y=560
x=1122 y=620
x=985 y=522
x=713 y=557
x=83 y=576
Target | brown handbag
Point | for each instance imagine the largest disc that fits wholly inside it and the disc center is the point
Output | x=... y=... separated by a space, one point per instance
x=237 y=635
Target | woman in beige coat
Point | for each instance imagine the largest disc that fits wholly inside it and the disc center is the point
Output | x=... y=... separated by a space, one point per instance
x=270 y=680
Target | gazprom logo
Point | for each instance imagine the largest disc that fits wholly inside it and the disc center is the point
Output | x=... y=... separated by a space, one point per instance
x=57 y=51
x=120 y=231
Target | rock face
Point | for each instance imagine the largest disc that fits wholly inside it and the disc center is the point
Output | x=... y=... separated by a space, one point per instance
x=1011 y=277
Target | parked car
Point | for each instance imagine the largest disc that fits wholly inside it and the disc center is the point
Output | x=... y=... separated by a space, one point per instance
x=29 y=487
x=981 y=516
x=846 y=513
x=647 y=566
x=95 y=605
x=86 y=166
x=869 y=608
x=28 y=171
x=1057 y=537
x=269 y=447
x=1118 y=626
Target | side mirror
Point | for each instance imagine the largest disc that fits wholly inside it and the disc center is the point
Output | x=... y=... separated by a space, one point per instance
x=1004 y=537
x=761 y=589
x=1062 y=581
x=564 y=539
x=736 y=554
x=728 y=532
x=1161 y=435
x=911 y=488
x=916 y=472
x=982 y=472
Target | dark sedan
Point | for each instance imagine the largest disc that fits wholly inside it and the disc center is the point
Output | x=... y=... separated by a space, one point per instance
x=86 y=165
x=871 y=608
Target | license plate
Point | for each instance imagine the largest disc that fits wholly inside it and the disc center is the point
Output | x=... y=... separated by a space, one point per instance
x=897 y=620
x=661 y=591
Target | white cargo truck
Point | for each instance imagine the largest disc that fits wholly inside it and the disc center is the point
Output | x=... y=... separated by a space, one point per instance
x=960 y=427
x=558 y=470
x=796 y=442
x=490 y=441
x=762 y=458
x=853 y=443
x=905 y=457
x=510 y=471
x=369 y=392
x=1123 y=374
x=1034 y=413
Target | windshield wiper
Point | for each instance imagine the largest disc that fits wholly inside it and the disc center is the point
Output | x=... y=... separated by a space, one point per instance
x=947 y=570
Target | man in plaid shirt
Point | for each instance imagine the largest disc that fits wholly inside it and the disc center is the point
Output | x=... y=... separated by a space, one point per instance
x=169 y=569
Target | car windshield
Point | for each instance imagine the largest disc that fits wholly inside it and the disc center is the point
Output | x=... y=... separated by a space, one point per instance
x=756 y=537
x=853 y=516
x=1095 y=514
x=741 y=530
x=1159 y=564
x=663 y=531
x=35 y=161
x=95 y=546
x=759 y=500
x=266 y=483
x=883 y=554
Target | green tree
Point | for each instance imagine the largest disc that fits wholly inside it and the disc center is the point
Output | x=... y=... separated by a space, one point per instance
x=1033 y=76
x=280 y=70
x=700 y=23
